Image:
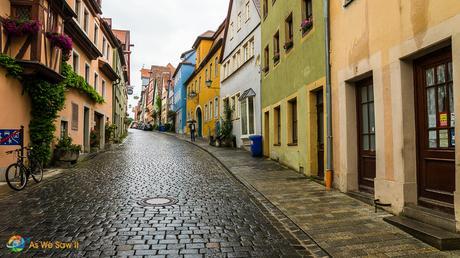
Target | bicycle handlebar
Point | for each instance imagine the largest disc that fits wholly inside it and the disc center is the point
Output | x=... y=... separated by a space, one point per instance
x=18 y=150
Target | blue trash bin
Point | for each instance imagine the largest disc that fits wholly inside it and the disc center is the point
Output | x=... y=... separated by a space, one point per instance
x=256 y=145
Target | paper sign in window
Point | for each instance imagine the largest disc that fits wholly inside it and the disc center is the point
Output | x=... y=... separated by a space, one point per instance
x=443 y=122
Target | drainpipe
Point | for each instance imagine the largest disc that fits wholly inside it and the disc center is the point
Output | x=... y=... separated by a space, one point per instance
x=329 y=165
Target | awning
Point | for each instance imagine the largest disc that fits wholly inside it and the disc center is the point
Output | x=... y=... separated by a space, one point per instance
x=246 y=94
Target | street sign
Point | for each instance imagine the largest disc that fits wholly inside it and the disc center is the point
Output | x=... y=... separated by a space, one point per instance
x=11 y=137
x=130 y=91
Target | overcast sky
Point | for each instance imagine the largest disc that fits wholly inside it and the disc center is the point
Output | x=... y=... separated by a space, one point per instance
x=162 y=29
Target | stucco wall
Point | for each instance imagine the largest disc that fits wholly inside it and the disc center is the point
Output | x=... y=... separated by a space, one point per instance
x=15 y=111
x=385 y=46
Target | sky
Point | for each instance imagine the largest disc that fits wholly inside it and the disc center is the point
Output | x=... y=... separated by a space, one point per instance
x=162 y=29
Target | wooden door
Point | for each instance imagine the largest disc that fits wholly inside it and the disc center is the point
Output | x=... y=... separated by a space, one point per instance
x=435 y=130
x=366 y=135
x=320 y=132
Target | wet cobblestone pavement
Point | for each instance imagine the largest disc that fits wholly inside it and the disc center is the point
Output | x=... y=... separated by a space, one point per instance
x=97 y=204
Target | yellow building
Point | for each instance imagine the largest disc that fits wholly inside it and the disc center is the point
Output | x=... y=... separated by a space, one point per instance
x=394 y=92
x=203 y=86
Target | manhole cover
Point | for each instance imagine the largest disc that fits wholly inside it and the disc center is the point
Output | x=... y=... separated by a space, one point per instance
x=158 y=201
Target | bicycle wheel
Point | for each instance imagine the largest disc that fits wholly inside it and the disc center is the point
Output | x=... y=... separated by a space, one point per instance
x=36 y=170
x=16 y=176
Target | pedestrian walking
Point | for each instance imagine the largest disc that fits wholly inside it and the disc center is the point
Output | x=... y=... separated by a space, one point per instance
x=192 y=132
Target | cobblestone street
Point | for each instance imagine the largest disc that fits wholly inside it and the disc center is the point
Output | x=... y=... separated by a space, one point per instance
x=97 y=204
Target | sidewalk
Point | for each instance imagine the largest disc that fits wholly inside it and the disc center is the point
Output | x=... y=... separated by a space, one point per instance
x=341 y=225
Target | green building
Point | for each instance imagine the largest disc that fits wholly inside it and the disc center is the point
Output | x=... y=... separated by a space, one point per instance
x=293 y=84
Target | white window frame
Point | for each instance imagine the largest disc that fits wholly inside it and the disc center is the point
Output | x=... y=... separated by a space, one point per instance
x=77 y=8
x=247 y=120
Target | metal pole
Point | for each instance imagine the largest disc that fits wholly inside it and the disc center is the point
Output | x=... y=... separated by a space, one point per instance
x=329 y=164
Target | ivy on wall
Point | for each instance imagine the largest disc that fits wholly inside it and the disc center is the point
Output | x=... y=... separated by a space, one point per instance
x=12 y=68
x=75 y=81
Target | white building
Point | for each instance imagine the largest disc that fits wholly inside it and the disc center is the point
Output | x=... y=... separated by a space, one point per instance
x=240 y=68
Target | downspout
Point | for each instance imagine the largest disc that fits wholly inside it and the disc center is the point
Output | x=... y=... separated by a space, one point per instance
x=329 y=165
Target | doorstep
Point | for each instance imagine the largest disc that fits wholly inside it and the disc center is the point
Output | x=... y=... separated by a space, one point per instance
x=434 y=236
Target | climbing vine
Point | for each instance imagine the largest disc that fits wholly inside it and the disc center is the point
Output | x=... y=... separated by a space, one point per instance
x=47 y=100
x=73 y=80
x=12 y=68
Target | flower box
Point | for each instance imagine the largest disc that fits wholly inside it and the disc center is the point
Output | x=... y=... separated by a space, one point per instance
x=288 y=45
x=16 y=27
x=306 y=25
x=61 y=41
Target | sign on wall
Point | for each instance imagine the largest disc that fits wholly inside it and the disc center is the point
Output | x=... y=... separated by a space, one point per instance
x=11 y=137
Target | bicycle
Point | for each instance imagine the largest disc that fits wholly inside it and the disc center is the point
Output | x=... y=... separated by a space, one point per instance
x=17 y=174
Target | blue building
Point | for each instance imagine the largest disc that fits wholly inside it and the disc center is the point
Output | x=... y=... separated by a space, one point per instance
x=183 y=72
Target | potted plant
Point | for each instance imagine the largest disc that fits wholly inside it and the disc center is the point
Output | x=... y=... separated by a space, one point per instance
x=62 y=42
x=94 y=141
x=109 y=134
x=306 y=25
x=65 y=151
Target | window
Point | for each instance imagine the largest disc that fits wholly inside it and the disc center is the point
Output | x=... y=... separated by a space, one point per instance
x=108 y=52
x=96 y=34
x=87 y=71
x=225 y=70
x=78 y=9
x=74 y=117
x=103 y=89
x=248 y=9
x=226 y=104
x=246 y=52
x=199 y=84
x=307 y=10
x=75 y=62
x=276 y=47
x=231 y=31
x=289 y=33
x=210 y=71
x=247 y=116
x=96 y=80
x=210 y=110
x=216 y=107
x=205 y=112
x=266 y=59
x=64 y=129
x=277 y=125
x=307 y=16
x=86 y=21
x=251 y=47
x=265 y=9
x=104 y=46
x=238 y=24
x=216 y=68
x=293 y=121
